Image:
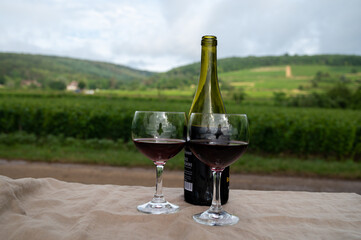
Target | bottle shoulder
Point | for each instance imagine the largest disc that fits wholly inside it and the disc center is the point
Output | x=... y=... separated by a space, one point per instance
x=202 y=104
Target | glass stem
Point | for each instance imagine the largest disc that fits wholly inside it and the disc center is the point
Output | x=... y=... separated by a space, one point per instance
x=216 y=206
x=158 y=196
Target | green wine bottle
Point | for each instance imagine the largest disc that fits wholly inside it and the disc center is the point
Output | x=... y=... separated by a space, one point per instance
x=198 y=181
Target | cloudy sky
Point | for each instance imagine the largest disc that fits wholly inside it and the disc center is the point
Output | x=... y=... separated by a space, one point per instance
x=161 y=34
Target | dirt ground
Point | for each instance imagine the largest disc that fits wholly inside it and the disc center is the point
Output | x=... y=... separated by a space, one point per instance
x=92 y=174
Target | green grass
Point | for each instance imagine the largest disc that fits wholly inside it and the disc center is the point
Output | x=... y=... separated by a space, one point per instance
x=311 y=70
x=70 y=154
x=188 y=93
x=52 y=149
x=314 y=167
x=260 y=83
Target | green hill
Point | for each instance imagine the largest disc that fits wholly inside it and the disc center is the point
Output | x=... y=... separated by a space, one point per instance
x=38 y=71
x=188 y=74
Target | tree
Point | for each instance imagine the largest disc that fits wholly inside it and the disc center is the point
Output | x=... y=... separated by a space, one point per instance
x=356 y=100
x=81 y=85
x=57 y=85
x=239 y=96
x=279 y=98
x=93 y=85
x=226 y=86
x=2 y=80
x=340 y=95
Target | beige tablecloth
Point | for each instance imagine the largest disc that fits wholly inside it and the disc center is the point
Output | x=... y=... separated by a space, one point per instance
x=52 y=209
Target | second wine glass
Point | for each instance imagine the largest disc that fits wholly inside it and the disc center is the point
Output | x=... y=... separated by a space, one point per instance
x=159 y=136
x=217 y=140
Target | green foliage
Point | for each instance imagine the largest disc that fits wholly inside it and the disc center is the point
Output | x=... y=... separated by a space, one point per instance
x=320 y=76
x=17 y=138
x=311 y=100
x=279 y=98
x=2 y=80
x=81 y=85
x=305 y=132
x=356 y=99
x=226 y=86
x=324 y=132
x=239 y=96
x=57 y=85
x=339 y=96
x=232 y=64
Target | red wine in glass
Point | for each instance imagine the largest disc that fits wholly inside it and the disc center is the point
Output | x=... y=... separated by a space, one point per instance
x=217 y=154
x=159 y=150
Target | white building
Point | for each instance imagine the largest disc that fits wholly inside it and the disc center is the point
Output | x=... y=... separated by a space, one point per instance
x=73 y=86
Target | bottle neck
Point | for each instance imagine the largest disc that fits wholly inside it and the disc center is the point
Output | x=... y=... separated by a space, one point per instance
x=208 y=97
x=209 y=65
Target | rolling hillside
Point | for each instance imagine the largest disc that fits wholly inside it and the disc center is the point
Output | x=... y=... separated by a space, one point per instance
x=40 y=70
x=37 y=71
x=188 y=74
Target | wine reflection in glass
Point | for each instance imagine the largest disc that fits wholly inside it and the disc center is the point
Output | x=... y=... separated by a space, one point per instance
x=159 y=136
x=217 y=140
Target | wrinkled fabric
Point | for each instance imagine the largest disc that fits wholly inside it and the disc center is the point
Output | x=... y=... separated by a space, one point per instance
x=51 y=209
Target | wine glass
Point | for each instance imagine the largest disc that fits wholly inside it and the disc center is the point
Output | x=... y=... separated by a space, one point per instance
x=159 y=136
x=217 y=140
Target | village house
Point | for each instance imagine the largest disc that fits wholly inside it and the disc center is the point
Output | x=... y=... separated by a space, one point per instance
x=72 y=86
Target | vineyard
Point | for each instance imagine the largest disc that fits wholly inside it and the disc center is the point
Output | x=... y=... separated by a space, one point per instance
x=326 y=133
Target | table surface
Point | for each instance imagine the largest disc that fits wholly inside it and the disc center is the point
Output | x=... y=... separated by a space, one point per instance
x=50 y=209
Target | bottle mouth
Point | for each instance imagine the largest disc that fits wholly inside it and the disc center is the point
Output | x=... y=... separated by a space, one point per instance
x=209 y=40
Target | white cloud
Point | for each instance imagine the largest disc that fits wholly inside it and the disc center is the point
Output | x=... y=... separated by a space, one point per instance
x=159 y=35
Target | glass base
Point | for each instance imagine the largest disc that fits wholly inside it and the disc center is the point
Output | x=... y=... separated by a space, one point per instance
x=210 y=218
x=158 y=208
